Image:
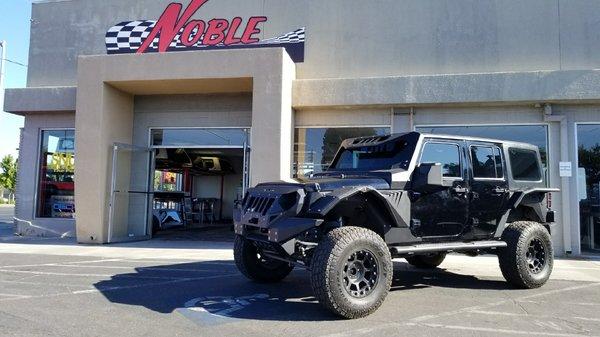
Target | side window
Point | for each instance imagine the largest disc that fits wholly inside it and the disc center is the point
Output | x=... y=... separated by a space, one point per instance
x=487 y=162
x=499 y=165
x=446 y=154
x=524 y=164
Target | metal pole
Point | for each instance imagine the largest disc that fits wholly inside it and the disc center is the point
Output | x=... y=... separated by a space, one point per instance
x=2 y=73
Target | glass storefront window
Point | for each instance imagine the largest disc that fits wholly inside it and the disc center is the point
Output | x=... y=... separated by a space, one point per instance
x=199 y=137
x=55 y=197
x=588 y=174
x=314 y=148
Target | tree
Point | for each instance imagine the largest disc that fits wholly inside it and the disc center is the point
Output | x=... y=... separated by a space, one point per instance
x=8 y=176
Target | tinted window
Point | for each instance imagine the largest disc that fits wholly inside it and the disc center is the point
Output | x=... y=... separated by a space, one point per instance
x=532 y=134
x=499 y=167
x=396 y=154
x=315 y=148
x=487 y=162
x=524 y=164
x=445 y=154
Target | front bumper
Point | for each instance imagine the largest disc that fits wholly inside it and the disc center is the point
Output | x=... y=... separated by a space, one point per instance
x=270 y=212
x=279 y=231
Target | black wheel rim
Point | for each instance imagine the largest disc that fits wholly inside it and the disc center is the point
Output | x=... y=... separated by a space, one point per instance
x=536 y=256
x=360 y=273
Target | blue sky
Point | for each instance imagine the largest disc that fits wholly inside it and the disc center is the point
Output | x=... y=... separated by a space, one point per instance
x=14 y=29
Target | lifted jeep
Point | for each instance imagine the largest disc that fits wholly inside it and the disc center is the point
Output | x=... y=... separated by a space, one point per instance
x=414 y=196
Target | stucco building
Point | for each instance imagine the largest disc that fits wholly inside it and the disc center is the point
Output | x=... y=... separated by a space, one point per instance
x=271 y=86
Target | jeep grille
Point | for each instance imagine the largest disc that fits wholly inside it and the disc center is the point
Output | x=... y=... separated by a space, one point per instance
x=258 y=204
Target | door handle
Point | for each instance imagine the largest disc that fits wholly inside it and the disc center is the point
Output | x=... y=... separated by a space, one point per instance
x=460 y=190
x=499 y=190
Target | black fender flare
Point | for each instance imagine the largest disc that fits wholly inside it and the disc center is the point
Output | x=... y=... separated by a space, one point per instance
x=515 y=200
x=396 y=203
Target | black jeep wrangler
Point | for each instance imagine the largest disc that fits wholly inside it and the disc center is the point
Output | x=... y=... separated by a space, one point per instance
x=414 y=196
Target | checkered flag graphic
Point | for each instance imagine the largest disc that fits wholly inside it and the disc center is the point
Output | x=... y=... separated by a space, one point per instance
x=128 y=36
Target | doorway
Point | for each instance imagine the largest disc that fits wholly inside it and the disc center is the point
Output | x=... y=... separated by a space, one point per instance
x=588 y=186
x=182 y=186
x=195 y=190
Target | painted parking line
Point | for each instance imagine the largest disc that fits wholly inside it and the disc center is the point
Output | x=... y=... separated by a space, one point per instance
x=12 y=295
x=11 y=271
x=203 y=261
x=158 y=268
x=497 y=303
x=562 y=303
x=56 y=263
x=494 y=330
x=512 y=314
x=421 y=321
x=48 y=284
x=118 y=288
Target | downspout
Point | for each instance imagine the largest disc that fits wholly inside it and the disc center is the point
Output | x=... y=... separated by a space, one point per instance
x=564 y=181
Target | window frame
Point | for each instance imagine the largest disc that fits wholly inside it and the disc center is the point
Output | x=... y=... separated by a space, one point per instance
x=445 y=142
x=38 y=167
x=537 y=159
x=502 y=160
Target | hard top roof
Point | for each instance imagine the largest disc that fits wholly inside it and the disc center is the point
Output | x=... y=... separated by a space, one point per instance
x=375 y=140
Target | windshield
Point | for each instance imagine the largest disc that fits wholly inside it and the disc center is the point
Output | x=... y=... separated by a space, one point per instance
x=393 y=154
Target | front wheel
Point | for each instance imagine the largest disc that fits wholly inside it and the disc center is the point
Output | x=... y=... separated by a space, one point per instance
x=528 y=259
x=250 y=262
x=351 y=271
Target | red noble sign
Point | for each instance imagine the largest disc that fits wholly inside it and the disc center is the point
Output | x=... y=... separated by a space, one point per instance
x=212 y=33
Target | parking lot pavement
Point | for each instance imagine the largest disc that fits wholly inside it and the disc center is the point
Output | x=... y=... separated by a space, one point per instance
x=89 y=295
x=6 y=222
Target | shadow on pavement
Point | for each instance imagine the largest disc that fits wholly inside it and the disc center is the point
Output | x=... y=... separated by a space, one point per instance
x=407 y=277
x=209 y=291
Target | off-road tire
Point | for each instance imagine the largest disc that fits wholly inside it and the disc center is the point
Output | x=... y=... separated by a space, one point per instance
x=429 y=261
x=513 y=259
x=260 y=270
x=329 y=261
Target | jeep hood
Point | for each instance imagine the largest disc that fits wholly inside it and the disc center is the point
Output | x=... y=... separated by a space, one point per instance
x=336 y=180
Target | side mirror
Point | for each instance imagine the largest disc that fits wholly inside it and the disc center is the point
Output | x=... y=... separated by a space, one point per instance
x=427 y=177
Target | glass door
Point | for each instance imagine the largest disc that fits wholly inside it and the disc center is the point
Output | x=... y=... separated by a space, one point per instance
x=131 y=193
x=588 y=180
x=246 y=169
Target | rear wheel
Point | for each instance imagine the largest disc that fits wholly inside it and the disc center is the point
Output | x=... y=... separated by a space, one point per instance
x=351 y=271
x=255 y=266
x=528 y=259
x=426 y=261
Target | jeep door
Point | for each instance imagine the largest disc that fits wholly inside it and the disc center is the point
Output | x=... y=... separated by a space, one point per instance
x=489 y=187
x=443 y=212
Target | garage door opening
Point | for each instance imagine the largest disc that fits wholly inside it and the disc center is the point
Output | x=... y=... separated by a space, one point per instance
x=195 y=190
x=183 y=186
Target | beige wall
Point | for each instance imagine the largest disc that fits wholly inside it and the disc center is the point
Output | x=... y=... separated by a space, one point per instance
x=105 y=114
x=355 y=116
x=351 y=38
x=216 y=110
